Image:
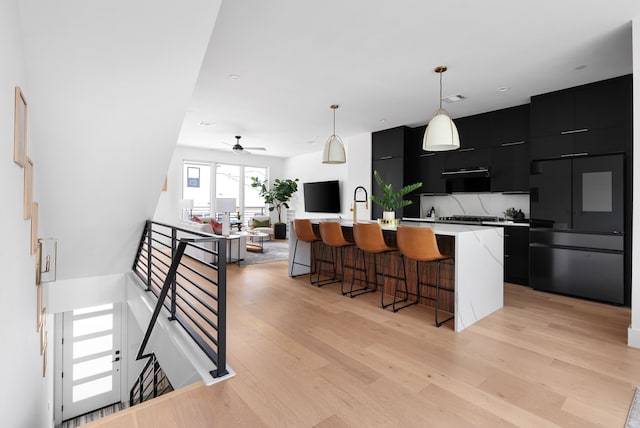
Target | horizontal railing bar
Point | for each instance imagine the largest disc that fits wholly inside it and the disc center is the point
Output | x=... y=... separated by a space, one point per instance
x=200 y=327
x=198 y=299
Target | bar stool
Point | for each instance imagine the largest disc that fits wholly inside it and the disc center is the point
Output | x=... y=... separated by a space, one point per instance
x=369 y=240
x=304 y=232
x=333 y=239
x=419 y=244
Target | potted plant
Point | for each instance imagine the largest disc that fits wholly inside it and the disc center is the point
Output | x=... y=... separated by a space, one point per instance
x=390 y=200
x=277 y=197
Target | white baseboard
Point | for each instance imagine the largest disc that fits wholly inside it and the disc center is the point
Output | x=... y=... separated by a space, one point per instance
x=633 y=337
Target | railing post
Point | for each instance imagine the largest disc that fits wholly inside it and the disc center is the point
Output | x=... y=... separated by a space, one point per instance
x=149 y=228
x=221 y=364
x=174 y=238
x=156 y=366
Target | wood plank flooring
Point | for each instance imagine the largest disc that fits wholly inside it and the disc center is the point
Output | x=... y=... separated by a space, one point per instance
x=310 y=357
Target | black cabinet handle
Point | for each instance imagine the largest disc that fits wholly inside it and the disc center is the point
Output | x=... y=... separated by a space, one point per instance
x=572 y=155
x=470 y=149
x=574 y=131
x=385 y=157
x=515 y=143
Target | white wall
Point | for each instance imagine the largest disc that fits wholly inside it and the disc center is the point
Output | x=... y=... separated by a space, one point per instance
x=356 y=172
x=23 y=391
x=634 y=328
x=168 y=209
x=110 y=82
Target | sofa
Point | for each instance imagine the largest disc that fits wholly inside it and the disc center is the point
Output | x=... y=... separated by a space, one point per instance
x=205 y=227
x=261 y=223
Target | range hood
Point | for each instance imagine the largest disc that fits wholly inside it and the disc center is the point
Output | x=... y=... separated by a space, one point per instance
x=467 y=180
x=478 y=171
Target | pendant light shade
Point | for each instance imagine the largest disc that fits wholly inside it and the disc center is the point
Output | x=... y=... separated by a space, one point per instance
x=441 y=133
x=334 y=148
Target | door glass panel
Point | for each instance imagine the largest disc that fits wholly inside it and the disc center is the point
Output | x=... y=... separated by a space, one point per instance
x=92 y=325
x=92 y=388
x=597 y=192
x=92 y=367
x=93 y=309
x=95 y=345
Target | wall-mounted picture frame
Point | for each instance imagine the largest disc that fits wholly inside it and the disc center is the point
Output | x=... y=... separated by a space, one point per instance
x=43 y=334
x=28 y=188
x=20 y=129
x=46 y=259
x=39 y=308
x=44 y=361
x=34 y=227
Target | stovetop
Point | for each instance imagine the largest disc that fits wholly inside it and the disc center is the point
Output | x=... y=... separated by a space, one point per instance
x=467 y=219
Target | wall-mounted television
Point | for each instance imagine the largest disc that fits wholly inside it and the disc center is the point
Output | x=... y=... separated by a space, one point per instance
x=322 y=197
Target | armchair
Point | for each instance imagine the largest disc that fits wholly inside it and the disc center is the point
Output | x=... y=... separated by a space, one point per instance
x=262 y=223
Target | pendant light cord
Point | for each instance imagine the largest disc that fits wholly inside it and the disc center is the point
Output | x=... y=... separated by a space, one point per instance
x=334 y=121
x=440 y=90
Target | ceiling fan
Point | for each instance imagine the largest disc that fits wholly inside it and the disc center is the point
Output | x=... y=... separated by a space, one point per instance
x=237 y=148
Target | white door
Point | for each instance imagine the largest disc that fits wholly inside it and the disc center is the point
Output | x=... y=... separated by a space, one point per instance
x=90 y=359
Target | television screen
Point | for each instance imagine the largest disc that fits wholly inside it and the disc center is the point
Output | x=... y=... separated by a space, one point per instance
x=322 y=197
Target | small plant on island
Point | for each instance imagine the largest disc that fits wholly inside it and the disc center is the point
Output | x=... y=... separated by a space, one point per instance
x=392 y=200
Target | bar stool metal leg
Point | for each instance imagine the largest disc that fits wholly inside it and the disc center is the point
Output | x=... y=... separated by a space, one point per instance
x=406 y=288
x=438 y=324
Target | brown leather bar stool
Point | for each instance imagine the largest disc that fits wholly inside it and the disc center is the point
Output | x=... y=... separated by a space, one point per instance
x=304 y=232
x=369 y=239
x=334 y=240
x=419 y=244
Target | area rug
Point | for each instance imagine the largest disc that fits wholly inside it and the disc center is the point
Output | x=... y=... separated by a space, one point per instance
x=633 y=418
x=274 y=250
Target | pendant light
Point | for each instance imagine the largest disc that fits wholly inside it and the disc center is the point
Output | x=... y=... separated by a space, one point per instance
x=441 y=133
x=333 y=148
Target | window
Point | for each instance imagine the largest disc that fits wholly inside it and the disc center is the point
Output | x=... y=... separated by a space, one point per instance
x=197 y=186
x=231 y=181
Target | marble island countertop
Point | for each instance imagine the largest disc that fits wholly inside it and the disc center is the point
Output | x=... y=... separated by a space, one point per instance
x=438 y=228
x=484 y=223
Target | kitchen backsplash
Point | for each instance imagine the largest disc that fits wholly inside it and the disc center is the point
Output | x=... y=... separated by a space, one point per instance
x=480 y=204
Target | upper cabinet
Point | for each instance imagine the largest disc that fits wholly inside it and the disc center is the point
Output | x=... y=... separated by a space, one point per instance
x=510 y=159
x=585 y=120
x=388 y=157
x=389 y=143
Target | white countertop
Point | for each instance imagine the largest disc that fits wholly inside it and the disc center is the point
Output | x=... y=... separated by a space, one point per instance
x=484 y=223
x=438 y=228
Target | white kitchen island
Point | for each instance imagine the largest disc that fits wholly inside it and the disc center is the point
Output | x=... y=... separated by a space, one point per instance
x=479 y=280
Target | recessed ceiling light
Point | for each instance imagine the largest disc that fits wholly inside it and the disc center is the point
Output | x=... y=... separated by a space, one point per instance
x=454 y=98
x=207 y=123
x=382 y=120
x=580 y=67
x=503 y=89
x=234 y=77
x=310 y=142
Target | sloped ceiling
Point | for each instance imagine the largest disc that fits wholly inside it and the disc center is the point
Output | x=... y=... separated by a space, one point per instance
x=108 y=85
x=376 y=58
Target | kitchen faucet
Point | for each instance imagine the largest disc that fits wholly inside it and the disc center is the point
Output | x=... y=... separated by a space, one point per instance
x=356 y=200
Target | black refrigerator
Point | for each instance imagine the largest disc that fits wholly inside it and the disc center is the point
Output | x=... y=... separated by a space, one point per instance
x=576 y=241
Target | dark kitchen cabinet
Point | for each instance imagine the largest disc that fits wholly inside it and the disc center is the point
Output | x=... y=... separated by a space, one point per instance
x=586 y=120
x=516 y=254
x=585 y=194
x=510 y=168
x=387 y=157
x=510 y=126
x=474 y=131
x=467 y=158
x=431 y=166
x=389 y=143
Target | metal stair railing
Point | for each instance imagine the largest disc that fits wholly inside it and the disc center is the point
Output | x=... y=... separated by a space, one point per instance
x=191 y=288
x=151 y=383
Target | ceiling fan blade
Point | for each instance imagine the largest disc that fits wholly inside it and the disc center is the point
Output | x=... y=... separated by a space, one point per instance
x=255 y=148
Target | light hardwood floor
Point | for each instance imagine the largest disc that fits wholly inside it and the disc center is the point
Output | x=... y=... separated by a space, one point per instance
x=310 y=357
